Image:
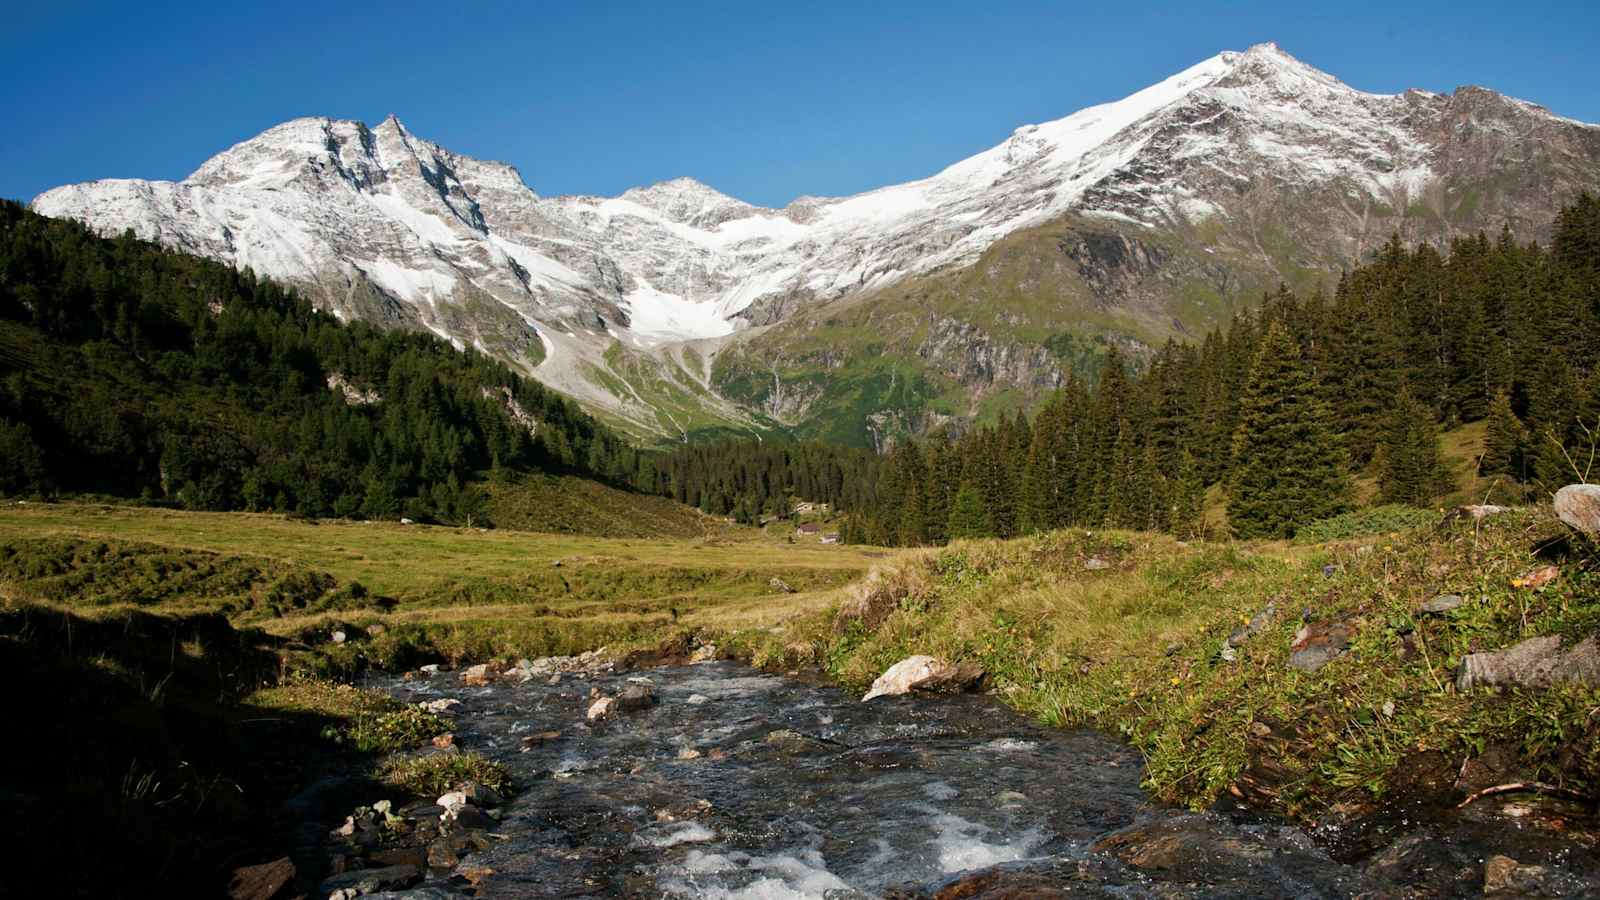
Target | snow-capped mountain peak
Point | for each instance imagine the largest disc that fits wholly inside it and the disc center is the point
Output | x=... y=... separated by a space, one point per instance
x=380 y=223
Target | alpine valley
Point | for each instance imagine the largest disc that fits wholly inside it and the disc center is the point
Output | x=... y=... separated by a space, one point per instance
x=675 y=311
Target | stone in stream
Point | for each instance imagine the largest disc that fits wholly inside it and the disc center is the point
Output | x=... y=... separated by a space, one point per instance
x=1504 y=875
x=1316 y=645
x=481 y=795
x=477 y=676
x=601 y=708
x=261 y=882
x=635 y=697
x=1537 y=662
x=1442 y=604
x=1578 y=505
x=697 y=699
x=924 y=673
x=442 y=705
x=370 y=881
x=452 y=801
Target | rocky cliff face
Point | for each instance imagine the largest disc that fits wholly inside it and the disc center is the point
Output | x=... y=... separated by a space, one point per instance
x=1244 y=170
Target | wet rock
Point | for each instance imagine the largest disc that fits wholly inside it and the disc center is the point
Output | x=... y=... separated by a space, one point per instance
x=1442 y=604
x=474 y=875
x=452 y=801
x=1578 y=505
x=635 y=697
x=1315 y=645
x=400 y=856
x=988 y=884
x=1497 y=764
x=1096 y=564
x=688 y=753
x=442 y=855
x=1254 y=626
x=429 y=670
x=443 y=741
x=442 y=705
x=371 y=881
x=530 y=741
x=600 y=709
x=924 y=673
x=697 y=699
x=481 y=795
x=474 y=818
x=1504 y=875
x=1537 y=662
x=477 y=676
x=781 y=586
x=262 y=882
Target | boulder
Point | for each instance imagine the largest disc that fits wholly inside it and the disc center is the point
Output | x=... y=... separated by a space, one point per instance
x=1578 y=505
x=781 y=586
x=601 y=708
x=1476 y=513
x=1504 y=875
x=1316 y=645
x=473 y=817
x=482 y=795
x=430 y=670
x=635 y=697
x=1537 y=662
x=697 y=699
x=1096 y=564
x=452 y=801
x=261 y=882
x=477 y=676
x=339 y=637
x=1442 y=604
x=442 y=705
x=924 y=673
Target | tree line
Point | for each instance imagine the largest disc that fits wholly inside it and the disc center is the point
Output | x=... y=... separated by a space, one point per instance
x=1286 y=404
x=133 y=371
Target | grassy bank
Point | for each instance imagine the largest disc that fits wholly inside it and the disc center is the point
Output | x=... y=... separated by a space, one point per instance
x=1129 y=633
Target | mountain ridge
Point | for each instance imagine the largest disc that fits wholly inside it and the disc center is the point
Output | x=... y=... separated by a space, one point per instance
x=380 y=224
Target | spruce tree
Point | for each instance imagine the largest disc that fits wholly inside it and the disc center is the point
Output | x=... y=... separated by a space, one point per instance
x=968 y=517
x=1504 y=440
x=1411 y=470
x=1289 y=468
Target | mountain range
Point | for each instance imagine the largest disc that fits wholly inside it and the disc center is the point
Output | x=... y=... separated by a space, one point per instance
x=675 y=310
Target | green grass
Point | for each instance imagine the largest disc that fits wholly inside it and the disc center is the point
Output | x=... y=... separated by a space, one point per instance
x=566 y=504
x=430 y=776
x=1137 y=650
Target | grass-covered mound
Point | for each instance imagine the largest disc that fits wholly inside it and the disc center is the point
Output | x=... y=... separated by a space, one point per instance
x=1129 y=632
x=565 y=504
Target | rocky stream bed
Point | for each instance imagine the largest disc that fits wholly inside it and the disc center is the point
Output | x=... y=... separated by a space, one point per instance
x=718 y=781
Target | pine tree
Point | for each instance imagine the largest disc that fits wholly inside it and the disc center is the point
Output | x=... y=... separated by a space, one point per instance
x=1411 y=470
x=1504 y=440
x=968 y=517
x=1289 y=469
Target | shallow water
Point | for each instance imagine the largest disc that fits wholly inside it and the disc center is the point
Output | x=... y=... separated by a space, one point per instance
x=799 y=790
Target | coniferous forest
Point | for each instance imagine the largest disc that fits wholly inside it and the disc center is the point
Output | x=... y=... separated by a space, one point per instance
x=132 y=371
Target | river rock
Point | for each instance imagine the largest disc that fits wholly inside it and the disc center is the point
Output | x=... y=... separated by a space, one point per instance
x=480 y=794
x=477 y=676
x=1537 y=662
x=452 y=801
x=400 y=856
x=1504 y=875
x=635 y=697
x=1578 y=505
x=430 y=670
x=371 y=881
x=601 y=708
x=1316 y=645
x=697 y=699
x=923 y=673
x=442 y=705
x=261 y=882
x=1442 y=604
x=474 y=818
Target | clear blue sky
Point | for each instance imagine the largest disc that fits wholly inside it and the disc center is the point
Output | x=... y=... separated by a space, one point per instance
x=762 y=101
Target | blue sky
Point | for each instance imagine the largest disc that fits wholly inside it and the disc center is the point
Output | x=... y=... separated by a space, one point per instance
x=763 y=103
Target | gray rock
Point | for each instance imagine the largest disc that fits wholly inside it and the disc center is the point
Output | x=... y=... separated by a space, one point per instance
x=1442 y=603
x=1253 y=627
x=1095 y=564
x=781 y=586
x=473 y=817
x=635 y=697
x=371 y=881
x=1578 y=505
x=1319 y=644
x=1537 y=662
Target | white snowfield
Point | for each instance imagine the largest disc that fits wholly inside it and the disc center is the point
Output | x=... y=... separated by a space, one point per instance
x=338 y=206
